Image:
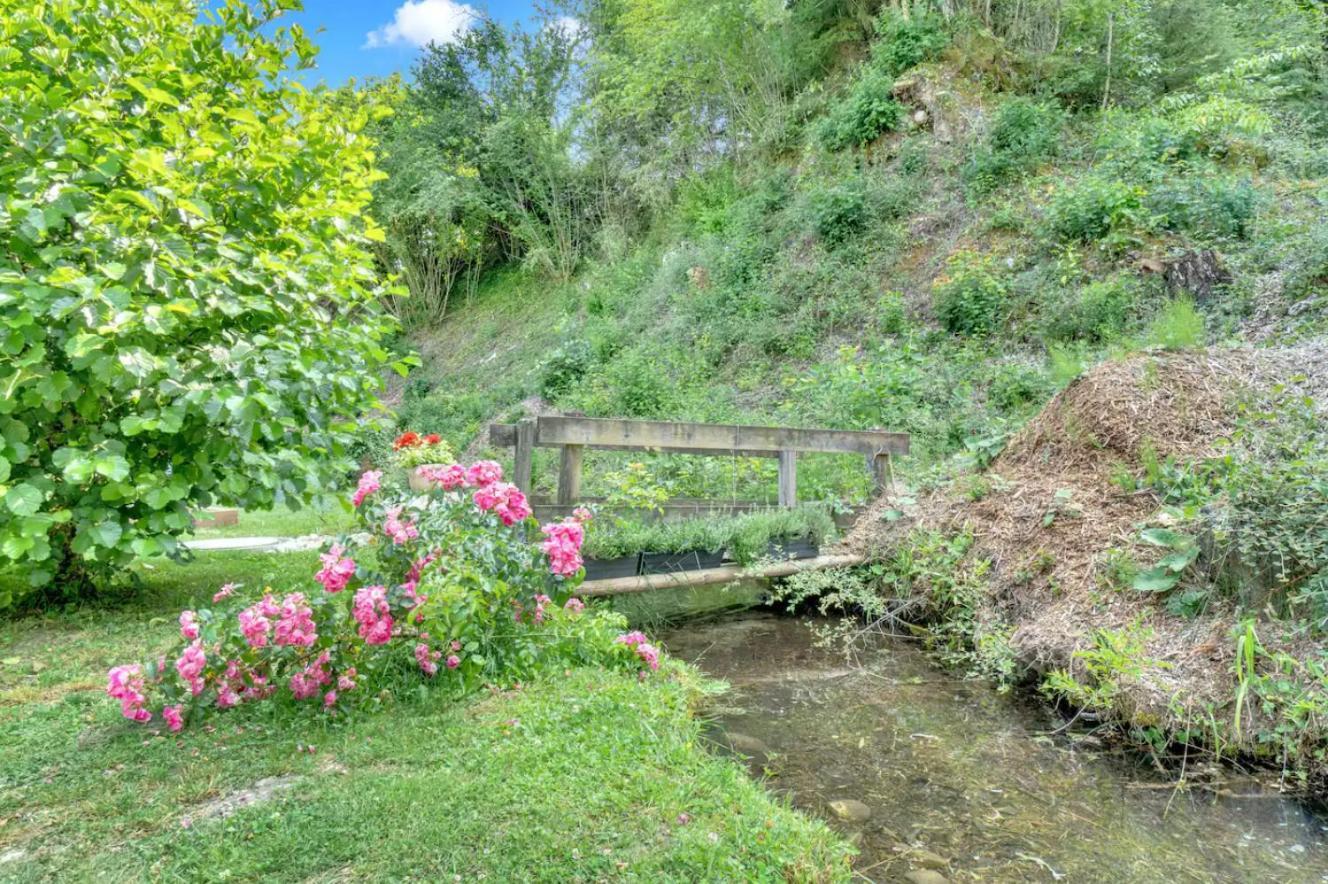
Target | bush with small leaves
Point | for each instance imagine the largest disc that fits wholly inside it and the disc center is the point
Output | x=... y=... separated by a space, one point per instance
x=970 y=298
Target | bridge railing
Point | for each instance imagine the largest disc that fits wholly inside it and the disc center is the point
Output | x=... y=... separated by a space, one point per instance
x=576 y=434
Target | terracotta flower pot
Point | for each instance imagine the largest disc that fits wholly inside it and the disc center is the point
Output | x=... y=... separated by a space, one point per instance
x=418 y=482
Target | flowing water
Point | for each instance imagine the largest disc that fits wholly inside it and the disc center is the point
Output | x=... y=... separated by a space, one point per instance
x=946 y=779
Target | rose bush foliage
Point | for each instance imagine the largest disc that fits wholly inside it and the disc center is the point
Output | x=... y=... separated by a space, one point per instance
x=188 y=306
x=459 y=585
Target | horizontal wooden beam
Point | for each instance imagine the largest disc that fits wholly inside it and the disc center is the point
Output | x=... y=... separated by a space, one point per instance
x=694 y=438
x=710 y=576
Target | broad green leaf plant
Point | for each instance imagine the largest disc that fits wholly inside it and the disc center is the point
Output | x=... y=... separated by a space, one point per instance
x=189 y=312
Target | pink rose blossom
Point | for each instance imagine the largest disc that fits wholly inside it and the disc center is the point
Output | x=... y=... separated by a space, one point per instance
x=190 y=666
x=337 y=571
x=574 y=606
x=631 y=639
x=174 y=717
x=453 y=661
x=374 y=615
x=449 y=477
x=189 y=625
x=562 y=544
x=125 y=683
x=309 y=681
x=296 y=626
x=400 y=531
x=255 y=626
x=346 y=681
x=637 y=641
x=483 y=473
x=329 y=699
x=582 y=515
x=369 y=483
x=511 y=506
x=427 y=659
x=224 y=593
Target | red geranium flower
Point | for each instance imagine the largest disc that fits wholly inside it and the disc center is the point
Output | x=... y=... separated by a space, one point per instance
x=432 y=439
x=406 y=440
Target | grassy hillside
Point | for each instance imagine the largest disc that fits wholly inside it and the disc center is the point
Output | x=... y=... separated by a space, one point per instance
x=944 y=280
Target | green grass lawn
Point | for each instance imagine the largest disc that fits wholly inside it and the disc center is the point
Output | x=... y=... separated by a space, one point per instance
x=585 y=776
x=328 y=519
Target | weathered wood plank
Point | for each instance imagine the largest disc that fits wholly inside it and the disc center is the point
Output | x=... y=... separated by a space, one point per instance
x=569 y=475
x=502 y=435
x=712 y=438
x=710 y=576
x=525 y=450
x=788 y=478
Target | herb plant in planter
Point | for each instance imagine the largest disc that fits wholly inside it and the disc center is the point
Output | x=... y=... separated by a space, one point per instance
x=412 y=451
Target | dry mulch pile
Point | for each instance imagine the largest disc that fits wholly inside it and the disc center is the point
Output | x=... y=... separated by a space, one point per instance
x=1052 y=511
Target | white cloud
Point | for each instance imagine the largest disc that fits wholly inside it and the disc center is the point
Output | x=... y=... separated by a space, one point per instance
x=420 y=22
x=570 y=27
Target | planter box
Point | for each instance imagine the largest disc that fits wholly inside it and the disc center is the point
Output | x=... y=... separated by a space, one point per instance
x=417 y=482
x=798 y=548
x=668 y=563
x=606 y=569
x=217 y=518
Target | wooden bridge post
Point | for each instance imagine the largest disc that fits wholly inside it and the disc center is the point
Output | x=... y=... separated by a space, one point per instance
x=788 y=478
x=879 y=464
x=525 y=451
x=569 y=475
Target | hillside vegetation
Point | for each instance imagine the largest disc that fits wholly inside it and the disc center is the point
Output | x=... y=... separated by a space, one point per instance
x=934 y=219
x=932 y=231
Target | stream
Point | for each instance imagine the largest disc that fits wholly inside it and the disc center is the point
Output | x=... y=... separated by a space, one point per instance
x=937 y=778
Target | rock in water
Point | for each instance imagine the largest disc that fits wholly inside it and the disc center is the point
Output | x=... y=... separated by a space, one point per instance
x=850 y=809
x=746 y=744
x=927 y=859
x=925 y=876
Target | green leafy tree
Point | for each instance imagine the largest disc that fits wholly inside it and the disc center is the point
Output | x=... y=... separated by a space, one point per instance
x=188 y=307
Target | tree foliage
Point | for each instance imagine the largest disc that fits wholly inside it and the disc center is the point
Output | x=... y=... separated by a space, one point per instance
x=188 y=310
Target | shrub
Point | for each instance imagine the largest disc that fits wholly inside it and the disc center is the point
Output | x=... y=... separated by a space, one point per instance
x=461 y=591
x=640 y=386
x=1208 y=207
x=565 y=368
x=970 y=298
x=1096 y=313
x=1177 y=326
x=1015 y=386
x=863 y=115
x=891 y=317
x=188 y=306
x=904 y=42
x=838 y=213
x=1024 y=133
x=1097 y=209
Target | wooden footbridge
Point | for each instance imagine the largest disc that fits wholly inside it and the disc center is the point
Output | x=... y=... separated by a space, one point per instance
x=574 y=435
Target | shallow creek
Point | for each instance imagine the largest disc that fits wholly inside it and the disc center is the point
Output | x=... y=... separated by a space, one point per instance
x=936 y=778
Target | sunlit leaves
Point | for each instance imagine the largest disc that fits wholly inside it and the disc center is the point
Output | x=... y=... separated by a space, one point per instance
x=186 y=299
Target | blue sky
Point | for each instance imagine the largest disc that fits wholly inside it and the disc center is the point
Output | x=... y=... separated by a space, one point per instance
x=362 y=38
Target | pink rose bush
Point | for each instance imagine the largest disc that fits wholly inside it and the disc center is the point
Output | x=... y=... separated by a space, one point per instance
x=458 y=587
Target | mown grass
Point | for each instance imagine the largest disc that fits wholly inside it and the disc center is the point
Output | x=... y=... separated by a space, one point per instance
x=329 y=519
x=586 y=776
